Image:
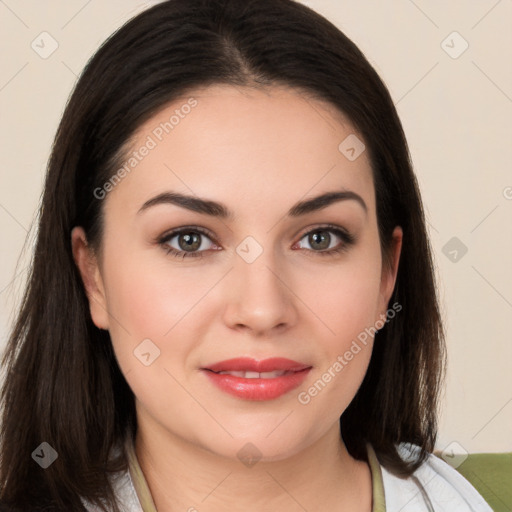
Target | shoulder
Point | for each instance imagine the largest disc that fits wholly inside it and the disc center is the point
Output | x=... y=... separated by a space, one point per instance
x=435 y=485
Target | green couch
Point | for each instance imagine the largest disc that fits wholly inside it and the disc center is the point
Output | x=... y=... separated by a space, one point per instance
x=491 y=475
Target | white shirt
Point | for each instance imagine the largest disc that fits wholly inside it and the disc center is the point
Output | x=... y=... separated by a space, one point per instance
x=433 y=487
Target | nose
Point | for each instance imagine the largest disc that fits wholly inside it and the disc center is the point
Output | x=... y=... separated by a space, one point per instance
x=259 y=298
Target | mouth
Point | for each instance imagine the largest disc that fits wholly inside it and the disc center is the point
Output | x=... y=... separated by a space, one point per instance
x=250 y=379
x=249 y=365
x=256 y=375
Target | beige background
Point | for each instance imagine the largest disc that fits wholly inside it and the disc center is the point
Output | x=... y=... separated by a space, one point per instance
x=457 y=116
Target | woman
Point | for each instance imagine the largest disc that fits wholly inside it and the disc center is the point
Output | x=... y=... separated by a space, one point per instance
x=232 y=299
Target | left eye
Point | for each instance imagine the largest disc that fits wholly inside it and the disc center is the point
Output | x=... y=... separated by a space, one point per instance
x=323 y=239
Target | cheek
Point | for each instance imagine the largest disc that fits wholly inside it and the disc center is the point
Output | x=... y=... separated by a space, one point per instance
x=344 y=297
x=147 y=300
x=155 y=299
x=345 y=300
x=148 y=295
x=150 y=302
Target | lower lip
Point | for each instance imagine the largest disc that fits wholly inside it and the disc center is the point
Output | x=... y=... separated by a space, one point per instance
x=257 y=389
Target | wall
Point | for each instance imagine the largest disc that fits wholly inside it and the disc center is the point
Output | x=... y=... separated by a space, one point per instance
x=455 y=104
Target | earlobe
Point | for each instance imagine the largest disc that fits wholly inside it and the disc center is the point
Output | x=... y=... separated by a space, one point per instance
x=88 y=267
x=395 y=253
x=390 y=269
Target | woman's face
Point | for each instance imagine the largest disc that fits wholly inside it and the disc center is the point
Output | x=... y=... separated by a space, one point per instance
x=266 y=272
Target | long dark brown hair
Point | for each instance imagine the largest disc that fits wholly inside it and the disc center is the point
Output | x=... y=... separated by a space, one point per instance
x=63 y=385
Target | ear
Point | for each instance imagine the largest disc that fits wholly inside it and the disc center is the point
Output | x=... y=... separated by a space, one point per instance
x=390 y=269
x=87 y=264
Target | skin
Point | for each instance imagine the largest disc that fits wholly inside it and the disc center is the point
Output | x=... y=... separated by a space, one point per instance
x=258 y=152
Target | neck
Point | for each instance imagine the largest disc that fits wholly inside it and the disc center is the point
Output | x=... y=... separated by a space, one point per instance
x=183 y=476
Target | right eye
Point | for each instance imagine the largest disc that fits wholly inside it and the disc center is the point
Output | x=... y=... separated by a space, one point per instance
x=185 y=242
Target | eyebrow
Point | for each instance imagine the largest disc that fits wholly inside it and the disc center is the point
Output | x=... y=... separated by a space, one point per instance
x=219 y=210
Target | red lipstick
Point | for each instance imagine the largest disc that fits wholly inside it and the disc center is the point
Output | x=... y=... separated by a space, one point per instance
x=250 y=379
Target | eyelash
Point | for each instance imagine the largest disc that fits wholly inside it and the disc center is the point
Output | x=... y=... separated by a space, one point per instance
x=345 y=236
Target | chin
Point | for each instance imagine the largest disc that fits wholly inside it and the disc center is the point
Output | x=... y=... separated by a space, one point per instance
x=250 y=449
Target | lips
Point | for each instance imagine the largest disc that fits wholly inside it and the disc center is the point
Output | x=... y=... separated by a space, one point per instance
x=250 y=379
x=247 y=364
x=255 y=375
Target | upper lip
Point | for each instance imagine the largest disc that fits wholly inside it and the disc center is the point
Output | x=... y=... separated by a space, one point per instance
x=252 y=365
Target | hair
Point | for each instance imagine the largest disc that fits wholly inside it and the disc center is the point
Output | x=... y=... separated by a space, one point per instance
x=63 y=384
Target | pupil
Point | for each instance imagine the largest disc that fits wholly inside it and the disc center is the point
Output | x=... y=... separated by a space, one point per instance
x=321 y=239
x=190 y=241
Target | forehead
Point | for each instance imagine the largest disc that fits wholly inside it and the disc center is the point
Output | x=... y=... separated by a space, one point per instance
x=266 y=146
